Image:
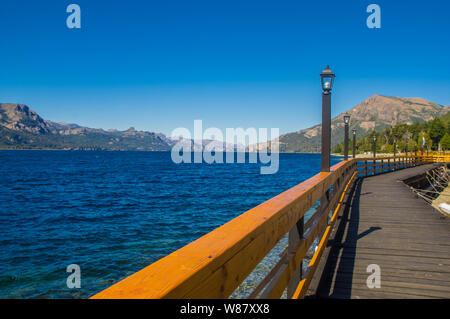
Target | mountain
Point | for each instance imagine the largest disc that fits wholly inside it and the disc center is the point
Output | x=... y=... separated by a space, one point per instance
x=19 y=117
x=23 y=128
x=374 y=113
x=207 y=145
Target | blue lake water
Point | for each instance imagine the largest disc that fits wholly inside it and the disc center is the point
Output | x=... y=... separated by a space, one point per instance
x=113 y=213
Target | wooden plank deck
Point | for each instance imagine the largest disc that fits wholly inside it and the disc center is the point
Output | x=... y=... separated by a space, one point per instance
x=384 y=223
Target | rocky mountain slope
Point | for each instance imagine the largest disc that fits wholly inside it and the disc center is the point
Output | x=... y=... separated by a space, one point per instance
x=22 y=128
x=374 y=113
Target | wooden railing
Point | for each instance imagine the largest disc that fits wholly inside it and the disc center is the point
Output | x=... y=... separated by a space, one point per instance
x=214 y=265
x=374 y=166
x=441 y=158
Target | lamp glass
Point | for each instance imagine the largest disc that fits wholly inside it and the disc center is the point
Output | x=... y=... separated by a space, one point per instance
x=327 y=83
x=326 y=78
x=346 y=119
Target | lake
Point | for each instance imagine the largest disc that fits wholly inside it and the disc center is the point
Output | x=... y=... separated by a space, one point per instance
x=113 y=213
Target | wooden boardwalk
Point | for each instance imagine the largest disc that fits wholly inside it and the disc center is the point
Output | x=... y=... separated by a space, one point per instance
x=384 y=223
x=360 y=222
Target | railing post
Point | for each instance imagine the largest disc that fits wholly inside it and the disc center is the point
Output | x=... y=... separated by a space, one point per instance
x=365 y=167
x=295 y=236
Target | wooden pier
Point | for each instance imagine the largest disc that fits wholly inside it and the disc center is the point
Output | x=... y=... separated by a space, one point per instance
x=363 y=215
x=385 y=224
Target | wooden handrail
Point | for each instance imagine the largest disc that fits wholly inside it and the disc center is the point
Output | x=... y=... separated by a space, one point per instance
x=214 y=265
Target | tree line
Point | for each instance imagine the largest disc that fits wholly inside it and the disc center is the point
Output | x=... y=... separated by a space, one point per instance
x=435 y=133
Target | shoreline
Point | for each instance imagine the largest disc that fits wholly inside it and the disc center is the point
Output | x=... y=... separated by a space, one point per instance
x=53 y=149
x=168 y=151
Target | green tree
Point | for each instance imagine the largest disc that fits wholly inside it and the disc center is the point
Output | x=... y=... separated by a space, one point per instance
x=415 y=129
x=339 y=149
x=445 y=142
x=437 y=131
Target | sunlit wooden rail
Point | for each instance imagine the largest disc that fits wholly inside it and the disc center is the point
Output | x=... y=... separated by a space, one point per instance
x=214 y=265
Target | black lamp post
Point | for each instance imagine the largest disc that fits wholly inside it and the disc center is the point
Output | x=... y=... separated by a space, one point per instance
x=327 y=78
x=354 y=143
x=297 y=232
x=346 y=121
x=394 y=147
x=374 y=146
x=406 y=148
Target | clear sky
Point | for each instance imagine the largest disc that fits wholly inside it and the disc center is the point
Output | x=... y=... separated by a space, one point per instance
x=158 y=65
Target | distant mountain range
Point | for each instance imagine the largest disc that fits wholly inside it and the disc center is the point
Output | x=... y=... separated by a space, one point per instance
x=23 y=128
x=374 y=113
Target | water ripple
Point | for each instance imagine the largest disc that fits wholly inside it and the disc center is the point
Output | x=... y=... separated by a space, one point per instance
x=114 y=213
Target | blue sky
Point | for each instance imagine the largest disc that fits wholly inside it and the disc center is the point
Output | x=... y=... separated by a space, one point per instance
x=158 y=65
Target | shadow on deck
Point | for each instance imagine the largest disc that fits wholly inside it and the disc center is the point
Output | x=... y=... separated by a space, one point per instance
x=386 y=224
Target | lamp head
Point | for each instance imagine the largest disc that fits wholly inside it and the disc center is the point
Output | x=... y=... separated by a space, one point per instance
x=346 y=118
x=327 y=77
